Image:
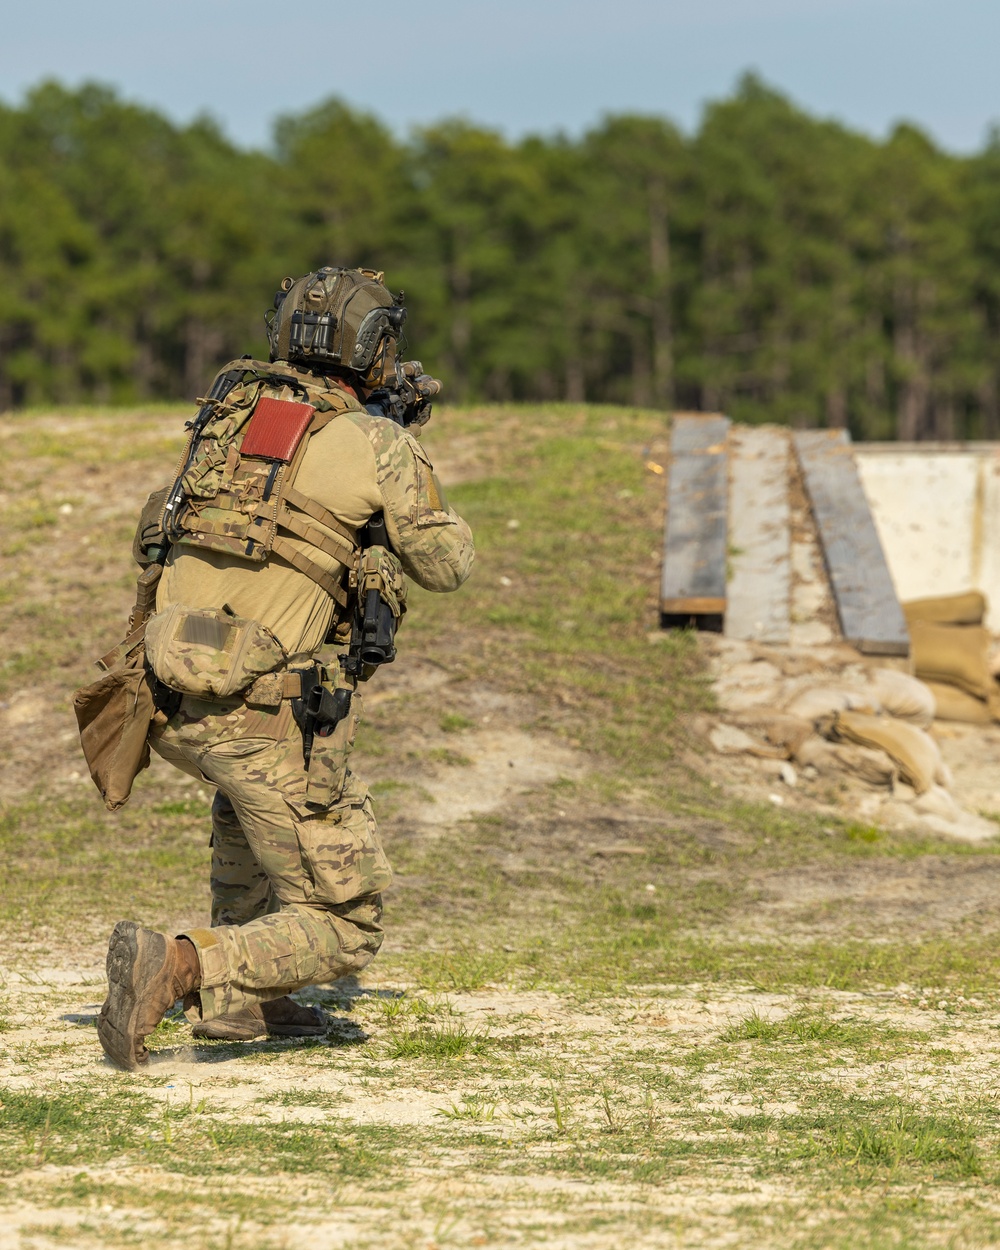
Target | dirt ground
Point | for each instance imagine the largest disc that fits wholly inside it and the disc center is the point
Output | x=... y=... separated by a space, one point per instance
x=450 y=1199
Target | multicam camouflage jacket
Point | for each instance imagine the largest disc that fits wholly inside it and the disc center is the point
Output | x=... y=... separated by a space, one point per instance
x=299 y=514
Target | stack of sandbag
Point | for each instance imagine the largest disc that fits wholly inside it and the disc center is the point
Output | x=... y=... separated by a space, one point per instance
x=865 y=690
x=860 y=722
x=912 y=750
x=877 y=734
x=950 y=651
x=830 y=715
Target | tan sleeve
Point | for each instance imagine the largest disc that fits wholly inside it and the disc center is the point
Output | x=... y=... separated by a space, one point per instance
x=432 y=541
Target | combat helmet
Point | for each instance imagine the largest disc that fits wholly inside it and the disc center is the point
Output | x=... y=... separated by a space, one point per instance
x=334 y=319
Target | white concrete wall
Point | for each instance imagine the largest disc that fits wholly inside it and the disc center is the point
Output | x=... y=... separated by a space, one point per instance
x=937 y=511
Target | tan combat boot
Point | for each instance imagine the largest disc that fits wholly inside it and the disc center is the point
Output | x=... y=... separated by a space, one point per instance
x=237 y=1026
x=147 y=973
x=281 y=1017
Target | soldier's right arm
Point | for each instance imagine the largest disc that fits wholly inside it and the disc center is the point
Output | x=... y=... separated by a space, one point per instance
x=432 y=541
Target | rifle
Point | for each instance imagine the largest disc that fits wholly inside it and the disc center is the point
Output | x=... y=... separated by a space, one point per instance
x=379 y=602
x=221 y=387
x=408 y=402
x=380 y=593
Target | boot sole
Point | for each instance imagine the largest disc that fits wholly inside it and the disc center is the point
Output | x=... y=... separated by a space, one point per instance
x=135 y=955
x=318 y=1028
x=296 y=1030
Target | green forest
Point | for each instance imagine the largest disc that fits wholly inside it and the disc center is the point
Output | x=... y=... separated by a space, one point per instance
x=771 y=265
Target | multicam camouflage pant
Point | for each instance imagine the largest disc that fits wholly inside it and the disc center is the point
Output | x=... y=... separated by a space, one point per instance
x=295 y=892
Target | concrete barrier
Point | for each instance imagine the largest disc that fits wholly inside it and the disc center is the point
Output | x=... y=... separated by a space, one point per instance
x=937 y=511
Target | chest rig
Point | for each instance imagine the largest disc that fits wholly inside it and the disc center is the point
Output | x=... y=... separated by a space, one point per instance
x=235 y=487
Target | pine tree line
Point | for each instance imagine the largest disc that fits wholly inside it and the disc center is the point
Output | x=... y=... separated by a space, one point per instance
x=771 y=265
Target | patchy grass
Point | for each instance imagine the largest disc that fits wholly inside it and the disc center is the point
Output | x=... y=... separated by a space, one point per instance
x=566 y=583
x=801 y=1098
x=449 y=1041
x=69 y=866
x=531 y=1116
x=60 y=1128
x=823 y=1032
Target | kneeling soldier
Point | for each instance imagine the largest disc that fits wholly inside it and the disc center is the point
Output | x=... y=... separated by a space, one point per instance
x=295 y=512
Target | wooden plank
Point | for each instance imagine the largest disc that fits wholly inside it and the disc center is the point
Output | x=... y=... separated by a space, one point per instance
x=757 y=601
x=870 y=616
x=694 y=551
x=701 y=607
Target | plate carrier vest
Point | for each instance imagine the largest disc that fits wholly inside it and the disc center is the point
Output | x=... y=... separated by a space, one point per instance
x=235 y=484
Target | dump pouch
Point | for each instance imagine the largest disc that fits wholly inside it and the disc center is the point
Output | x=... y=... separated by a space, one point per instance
x=209 y=653
x=114 y=715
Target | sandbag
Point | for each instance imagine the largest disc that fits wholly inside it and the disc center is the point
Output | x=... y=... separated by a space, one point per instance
x=914 y=751
x=728 y=740
x=954 y=704
x=967 y=608
x=938 y=802
x=114 y=714
x=816 y=701
x=917 y=818
x=957 y=655
x=868 y=764
x=777 y=729
x=754 y=684
x=903 y=696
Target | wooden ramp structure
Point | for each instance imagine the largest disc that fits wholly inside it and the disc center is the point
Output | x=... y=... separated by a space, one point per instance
x=727 y=564
x=870 y=616
x=693 y=590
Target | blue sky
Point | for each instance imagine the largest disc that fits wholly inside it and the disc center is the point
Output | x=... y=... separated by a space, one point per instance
x=520 y=65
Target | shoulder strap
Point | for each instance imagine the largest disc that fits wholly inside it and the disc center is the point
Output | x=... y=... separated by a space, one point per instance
x=326 y=581
x=341 y=544
x=302 y=379
x=342 y=549
x=318 y=513
x=145 y=604
x=322 y=419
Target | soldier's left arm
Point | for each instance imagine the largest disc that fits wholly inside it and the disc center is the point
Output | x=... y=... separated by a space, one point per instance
x=432 y=541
